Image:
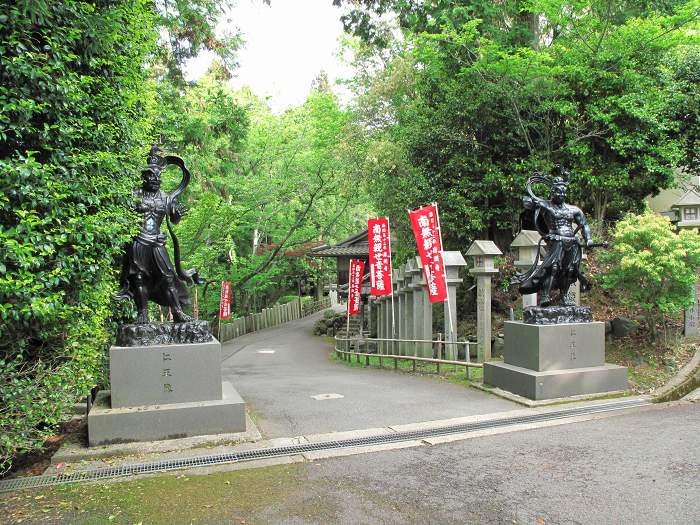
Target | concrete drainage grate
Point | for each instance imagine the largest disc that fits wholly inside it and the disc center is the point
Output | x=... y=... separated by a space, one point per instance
x=289 y=450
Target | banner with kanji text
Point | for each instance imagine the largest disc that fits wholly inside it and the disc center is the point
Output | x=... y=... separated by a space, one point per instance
x=424 y=221
x=225 y=305
x=379 y=256
x=357 y=268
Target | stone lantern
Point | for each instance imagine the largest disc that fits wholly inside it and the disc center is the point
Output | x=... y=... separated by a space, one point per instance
x=483 y=253
x=526 y=243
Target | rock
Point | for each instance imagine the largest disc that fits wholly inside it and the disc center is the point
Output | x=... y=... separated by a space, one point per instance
x=164 y=333
x=622 y=327
x=497 y=346
x=608 y=327
x=557 y=314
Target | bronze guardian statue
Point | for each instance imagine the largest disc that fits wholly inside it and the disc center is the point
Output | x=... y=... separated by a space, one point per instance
x=558 y=223
x=147 y=272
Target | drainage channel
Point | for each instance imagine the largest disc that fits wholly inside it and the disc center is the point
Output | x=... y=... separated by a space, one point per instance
x=290 y=450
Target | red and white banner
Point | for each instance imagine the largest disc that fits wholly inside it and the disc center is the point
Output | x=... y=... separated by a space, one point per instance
x=379 y=256
x=195 y=308
x=357 y=269
x=225 y=304
x=427 y=233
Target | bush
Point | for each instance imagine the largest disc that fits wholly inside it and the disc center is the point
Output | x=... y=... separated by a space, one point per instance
x=73 y=118
x=650 y=267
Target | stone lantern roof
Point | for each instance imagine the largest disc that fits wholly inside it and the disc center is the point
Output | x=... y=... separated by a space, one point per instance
x=480 y=248
x=526 y=238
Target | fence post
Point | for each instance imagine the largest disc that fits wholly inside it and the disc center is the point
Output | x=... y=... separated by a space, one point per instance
x=483 y=253
x=408 y=348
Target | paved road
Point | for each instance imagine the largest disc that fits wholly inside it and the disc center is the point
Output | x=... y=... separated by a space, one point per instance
x=278 y=387
x=638 y=468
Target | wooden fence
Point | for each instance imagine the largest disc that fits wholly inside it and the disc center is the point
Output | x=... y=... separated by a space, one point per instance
x=269 y=317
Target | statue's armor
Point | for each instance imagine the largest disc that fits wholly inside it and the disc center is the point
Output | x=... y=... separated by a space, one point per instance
x=153 y=207
x=150 y=257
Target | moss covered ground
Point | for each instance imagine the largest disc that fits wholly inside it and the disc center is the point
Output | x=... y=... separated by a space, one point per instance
x=235 y=497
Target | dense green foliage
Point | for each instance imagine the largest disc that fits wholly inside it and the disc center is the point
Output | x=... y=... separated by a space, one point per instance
x=651 y=267
x=479 y=95
x=72 y=107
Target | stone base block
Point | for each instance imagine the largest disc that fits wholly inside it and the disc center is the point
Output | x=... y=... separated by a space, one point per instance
x=162 y=374
x=555 y=383
x=155 y=422
x=554 y=346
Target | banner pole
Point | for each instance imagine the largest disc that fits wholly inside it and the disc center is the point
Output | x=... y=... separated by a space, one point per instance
x=347 y=325
x=453 y=334
x=391 y=283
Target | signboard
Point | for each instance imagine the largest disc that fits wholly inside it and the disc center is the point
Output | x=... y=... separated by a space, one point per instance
x=357 y=268
x=225 y=305
x=379 y=256
x=426 y=230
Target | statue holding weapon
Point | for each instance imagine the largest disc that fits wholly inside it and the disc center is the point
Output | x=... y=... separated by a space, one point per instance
x=558 y=223
x=147 y=271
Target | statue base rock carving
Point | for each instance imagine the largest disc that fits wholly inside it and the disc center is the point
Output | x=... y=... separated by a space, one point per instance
x=557 y=314
x=164 y=333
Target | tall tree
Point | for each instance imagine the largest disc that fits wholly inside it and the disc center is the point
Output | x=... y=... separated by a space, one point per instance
x=491 y=97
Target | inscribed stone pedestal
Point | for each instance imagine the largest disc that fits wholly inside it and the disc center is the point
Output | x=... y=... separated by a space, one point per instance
x=164 y=392
x=553 y=361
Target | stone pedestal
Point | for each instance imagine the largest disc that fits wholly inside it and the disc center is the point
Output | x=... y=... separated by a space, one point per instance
x=165 y=392
x=555 y=360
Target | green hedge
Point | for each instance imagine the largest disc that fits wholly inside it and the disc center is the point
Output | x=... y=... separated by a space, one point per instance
x=74 y=110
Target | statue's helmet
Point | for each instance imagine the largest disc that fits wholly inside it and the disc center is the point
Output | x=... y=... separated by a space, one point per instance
x=155 y=162
x=560 y=184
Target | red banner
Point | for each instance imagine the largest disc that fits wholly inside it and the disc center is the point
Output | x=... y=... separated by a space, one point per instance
x=225 y=304
x=379 y=256
x=357 y=269
x=427 y=233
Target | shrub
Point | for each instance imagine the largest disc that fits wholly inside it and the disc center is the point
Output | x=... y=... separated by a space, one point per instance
x=650 y=267
x=73 y=114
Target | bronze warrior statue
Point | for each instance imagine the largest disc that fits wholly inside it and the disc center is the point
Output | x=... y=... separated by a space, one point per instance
x=555 y=220
x=147 y=272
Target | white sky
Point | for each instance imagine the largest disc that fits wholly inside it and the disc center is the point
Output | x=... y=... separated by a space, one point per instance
x=286 y=45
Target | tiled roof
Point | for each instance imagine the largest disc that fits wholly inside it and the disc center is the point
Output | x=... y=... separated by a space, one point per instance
x=339 y=251
x=355 y=246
